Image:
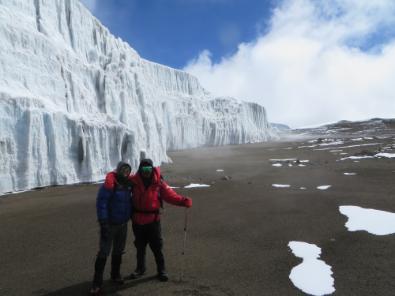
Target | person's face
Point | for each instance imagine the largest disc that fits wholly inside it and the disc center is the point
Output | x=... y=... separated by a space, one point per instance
x=146 y=171
x=125 y=171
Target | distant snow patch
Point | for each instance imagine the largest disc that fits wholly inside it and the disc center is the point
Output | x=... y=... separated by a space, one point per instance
x=174 y=187
x=357 y=157
x=277 y=165
x=281 y=185
x=381 y=154
x=373 y=221
x=219 y=170
x=193 y=185
x=324 y=187
x=302 y=188
x=282 y=159
x=350 y=174
x=302 y=165
x=388 y=155
x=313 y=276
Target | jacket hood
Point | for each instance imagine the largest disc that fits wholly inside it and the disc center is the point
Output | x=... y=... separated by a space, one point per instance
x=122 y=164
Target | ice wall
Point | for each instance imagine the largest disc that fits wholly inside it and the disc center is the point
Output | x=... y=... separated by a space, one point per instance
x=74 y=100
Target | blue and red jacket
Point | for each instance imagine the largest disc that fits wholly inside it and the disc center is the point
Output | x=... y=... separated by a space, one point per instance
x=114 y=201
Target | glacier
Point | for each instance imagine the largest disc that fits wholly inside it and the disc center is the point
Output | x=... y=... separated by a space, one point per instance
x=74 y=100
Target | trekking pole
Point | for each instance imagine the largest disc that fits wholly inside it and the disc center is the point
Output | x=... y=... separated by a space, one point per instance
x=184 y=243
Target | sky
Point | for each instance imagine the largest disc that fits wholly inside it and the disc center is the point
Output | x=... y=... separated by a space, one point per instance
x=308 y=62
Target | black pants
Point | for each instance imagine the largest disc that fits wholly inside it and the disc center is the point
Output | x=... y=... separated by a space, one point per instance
x=116 y=241
x=149 y=234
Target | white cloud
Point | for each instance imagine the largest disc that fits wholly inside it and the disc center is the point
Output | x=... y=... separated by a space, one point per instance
x=307 y=68
x=90 y=4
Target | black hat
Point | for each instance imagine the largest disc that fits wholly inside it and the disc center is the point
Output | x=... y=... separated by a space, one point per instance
x=146 y=162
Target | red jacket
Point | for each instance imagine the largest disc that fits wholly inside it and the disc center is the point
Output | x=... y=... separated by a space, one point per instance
x=147 y=201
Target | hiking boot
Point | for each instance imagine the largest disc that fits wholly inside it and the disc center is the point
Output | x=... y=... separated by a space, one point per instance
x=162 y=276
x=136 y=274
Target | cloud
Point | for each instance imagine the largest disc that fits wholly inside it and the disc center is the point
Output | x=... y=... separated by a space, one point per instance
x=319 y=61
x=90 y=4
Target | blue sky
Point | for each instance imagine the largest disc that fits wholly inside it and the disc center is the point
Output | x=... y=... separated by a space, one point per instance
x=172 y=32
x=307 y=61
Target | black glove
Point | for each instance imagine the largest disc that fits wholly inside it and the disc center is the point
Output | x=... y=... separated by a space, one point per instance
x=104 y=230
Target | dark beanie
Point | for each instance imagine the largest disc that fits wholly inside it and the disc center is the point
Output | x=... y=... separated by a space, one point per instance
x=146 y=162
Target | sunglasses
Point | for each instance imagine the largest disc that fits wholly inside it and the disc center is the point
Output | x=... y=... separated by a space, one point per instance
x=146 y=169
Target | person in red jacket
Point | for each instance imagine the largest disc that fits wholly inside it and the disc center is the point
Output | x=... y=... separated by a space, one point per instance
x=149 y=189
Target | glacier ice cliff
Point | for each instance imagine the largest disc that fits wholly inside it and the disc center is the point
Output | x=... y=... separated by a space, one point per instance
x=74 y=100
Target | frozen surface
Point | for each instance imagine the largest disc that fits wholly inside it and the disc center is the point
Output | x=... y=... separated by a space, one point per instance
x=313 y=276
x=373 y=221
x=378 y=155
x=387 y=155
x=324 y=187
x=74 y=100
x=350 y=174
x=194 y=185
x=281 y=185
x=219 y=170
x=277 y=165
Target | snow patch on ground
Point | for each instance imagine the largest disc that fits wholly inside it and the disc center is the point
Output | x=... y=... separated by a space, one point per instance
x=378 y=155
x=219 y=170
x=349 y=174
x=373 y=221
x=277 y=165
x=194 y=185
x=281 y=185
x=387 y=155
x=324 y=187
x=313 y=276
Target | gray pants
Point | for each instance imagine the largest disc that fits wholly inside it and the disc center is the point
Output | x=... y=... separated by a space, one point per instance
x=116 y=241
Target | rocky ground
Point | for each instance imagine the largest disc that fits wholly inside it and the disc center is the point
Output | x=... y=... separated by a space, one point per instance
x=238 y=229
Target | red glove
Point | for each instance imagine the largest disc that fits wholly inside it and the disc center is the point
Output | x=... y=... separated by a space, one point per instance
x=187 y=202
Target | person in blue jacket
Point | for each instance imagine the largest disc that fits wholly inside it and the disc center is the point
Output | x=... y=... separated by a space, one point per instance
x=114 y=209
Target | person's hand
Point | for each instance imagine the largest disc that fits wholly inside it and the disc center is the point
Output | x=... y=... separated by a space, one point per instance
x=188 y=202
x=104 y=230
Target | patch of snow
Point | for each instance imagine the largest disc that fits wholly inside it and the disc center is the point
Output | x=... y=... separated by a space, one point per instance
x=219 y=170
x=304 y=160
x=302 y=188
x=282 y=159
x=387 y=155
x=350 y=174
x=281 y=185
x=313 y=276
x=194 y=185
x=332 y=143
x=357 y=157
x=333 y=151
x=324 y=187
x=373 y=221
x=302 y=165
x=277 y=165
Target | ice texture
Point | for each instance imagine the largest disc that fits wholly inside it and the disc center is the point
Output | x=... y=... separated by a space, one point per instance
x=75 y=100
